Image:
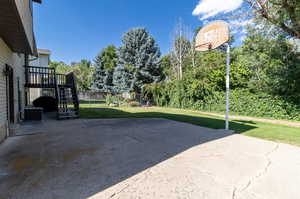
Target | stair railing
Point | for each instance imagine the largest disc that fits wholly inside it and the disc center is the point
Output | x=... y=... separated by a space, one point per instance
x=46 y=77
x=71 y=80
x=56 y=94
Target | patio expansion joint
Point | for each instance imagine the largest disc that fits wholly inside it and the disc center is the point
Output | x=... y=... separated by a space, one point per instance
x=238 y=190
x=140 y=179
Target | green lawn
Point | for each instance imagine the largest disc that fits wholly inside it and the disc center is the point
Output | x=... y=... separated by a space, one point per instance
x=280 y=133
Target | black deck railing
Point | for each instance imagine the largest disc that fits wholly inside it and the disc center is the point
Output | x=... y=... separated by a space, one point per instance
x=64 y=87
x=61 y=79
x=43 y=77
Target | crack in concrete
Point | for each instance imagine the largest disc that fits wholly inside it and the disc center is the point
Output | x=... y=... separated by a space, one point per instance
x=134 y=138
x=117 y=193
x=234 y=193
x=238 y=191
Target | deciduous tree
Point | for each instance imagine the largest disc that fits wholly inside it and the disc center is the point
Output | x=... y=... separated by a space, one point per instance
x=181 y=47
x=284 y=14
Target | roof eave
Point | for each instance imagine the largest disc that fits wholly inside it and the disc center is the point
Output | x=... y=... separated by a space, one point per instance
x=37 y=1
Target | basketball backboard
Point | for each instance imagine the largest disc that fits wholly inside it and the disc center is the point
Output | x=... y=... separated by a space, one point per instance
x=212 y=36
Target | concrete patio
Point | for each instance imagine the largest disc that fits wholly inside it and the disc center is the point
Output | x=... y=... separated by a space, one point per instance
x=143 y=158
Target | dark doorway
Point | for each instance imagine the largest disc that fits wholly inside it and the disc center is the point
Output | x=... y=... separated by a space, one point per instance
x=10 y=94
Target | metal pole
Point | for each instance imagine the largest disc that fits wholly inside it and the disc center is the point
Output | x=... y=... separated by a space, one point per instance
x=227 y=86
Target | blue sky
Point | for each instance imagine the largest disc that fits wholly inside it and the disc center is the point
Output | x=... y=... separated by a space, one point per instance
x=76 y=29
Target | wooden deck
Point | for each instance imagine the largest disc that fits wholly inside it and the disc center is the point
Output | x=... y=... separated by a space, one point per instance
x=64 y=86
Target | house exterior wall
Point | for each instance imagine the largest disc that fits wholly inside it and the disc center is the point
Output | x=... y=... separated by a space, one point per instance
x=42 y=61
x=25 y=11
x=34 y=93
x=19 y=83
x=16 y=61
x=16 y=36
x=5 y=57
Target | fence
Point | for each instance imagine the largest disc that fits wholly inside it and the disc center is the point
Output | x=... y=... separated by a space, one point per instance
x=91 y=95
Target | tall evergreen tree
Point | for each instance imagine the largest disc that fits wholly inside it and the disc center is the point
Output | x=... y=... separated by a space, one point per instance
x=122 y=79
x=105 y=63
x=139 y=61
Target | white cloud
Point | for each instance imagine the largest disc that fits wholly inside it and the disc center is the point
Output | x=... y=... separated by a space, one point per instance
x=210 y=8
x=241 y=22
x=239 y=25
x=238 y=28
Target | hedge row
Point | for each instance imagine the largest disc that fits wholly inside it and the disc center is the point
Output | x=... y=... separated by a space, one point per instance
x=194 y=95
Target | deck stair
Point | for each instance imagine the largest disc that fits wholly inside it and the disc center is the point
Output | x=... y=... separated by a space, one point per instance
x=64 y=86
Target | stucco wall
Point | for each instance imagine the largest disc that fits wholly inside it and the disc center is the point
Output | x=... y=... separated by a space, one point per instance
x=16 y=61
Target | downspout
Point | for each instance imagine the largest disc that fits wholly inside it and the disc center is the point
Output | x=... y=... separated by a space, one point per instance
x=7 y=99
x=26 y=63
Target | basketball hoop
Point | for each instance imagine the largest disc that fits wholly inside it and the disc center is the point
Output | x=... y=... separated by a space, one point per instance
x=210 y=37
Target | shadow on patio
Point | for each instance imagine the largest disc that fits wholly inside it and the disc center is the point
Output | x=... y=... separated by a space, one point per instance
x=200 y=120
x=79 y=159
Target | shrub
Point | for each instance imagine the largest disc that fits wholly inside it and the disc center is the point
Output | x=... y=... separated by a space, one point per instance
x=179 y=94
x=244 y=102
x=134 y=104
x=48 y=103
x=199 y=96
x=113 y=99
